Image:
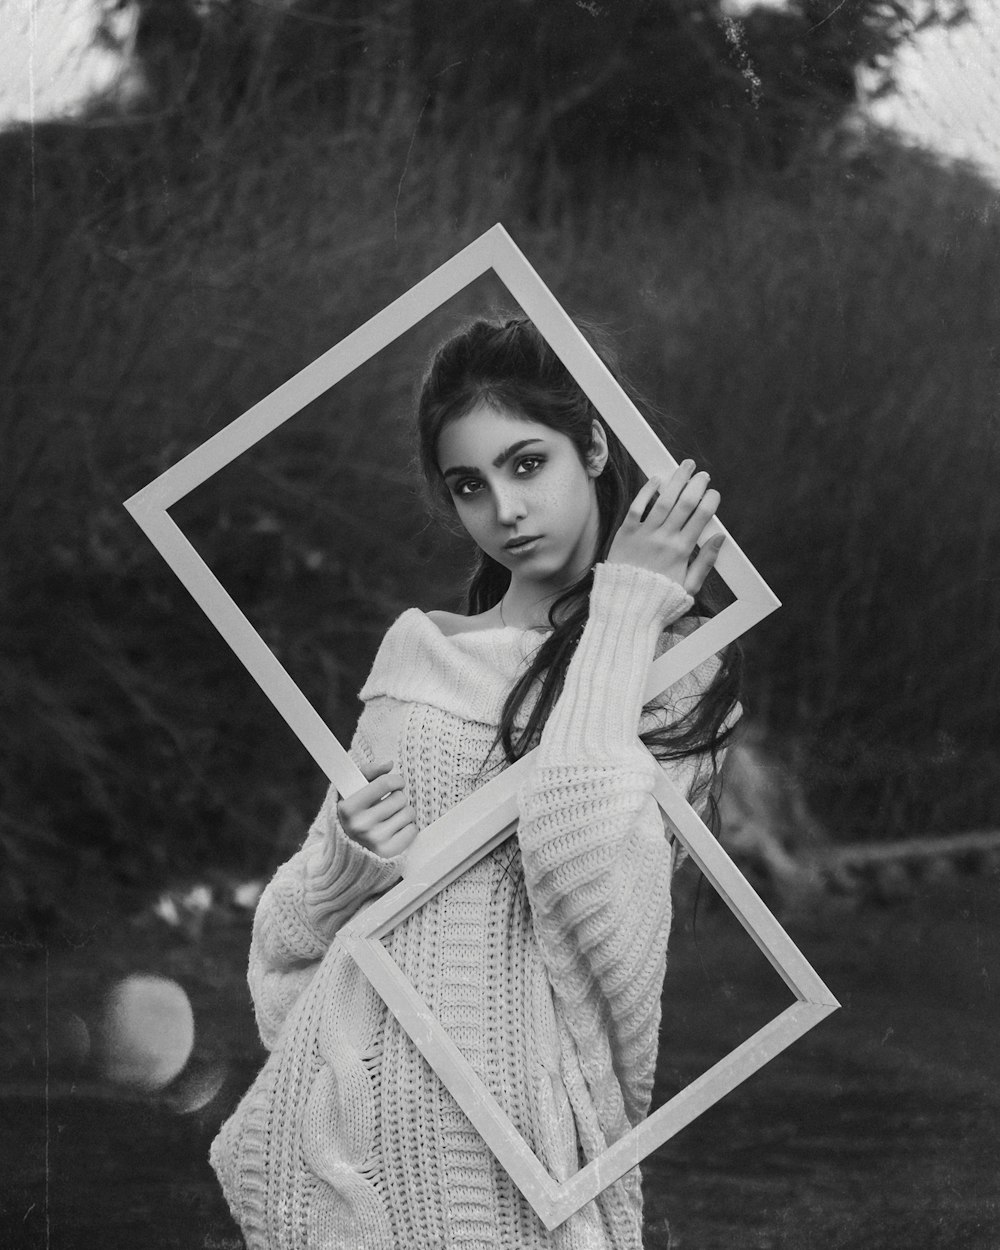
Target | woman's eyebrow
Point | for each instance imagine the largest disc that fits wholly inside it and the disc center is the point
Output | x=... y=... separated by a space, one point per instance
x=498 y=463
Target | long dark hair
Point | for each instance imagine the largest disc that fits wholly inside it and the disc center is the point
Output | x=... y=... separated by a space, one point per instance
x=508 y=364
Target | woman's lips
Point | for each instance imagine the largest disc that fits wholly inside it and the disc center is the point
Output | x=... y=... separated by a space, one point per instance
x=523 y=548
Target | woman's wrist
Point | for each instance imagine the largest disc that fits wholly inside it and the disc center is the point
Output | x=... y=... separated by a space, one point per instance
x=638 y=595
x=597 y=714
x=339 y=872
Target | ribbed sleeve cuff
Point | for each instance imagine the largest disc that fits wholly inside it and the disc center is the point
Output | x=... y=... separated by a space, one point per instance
x=597 y=713
x=340 y=874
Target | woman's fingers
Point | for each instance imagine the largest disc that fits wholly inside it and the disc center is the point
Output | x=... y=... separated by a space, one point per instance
x=703 y=563
x=381 y=781
x=664 y=526
x=378 y=815
x=689 y=499
x=674 y=500
x=396 y=843
x=659 y=496
x=702 y=512
x=377 y=770
x=643 y=499
x=395 y=830
x=379 y=811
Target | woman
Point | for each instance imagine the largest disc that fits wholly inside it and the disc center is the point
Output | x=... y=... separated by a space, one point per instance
x=545 y=961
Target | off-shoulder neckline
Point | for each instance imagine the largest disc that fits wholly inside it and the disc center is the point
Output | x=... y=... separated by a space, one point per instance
x=482 y=629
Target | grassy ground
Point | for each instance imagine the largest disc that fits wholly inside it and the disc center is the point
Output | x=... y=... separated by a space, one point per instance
x=877 y=1129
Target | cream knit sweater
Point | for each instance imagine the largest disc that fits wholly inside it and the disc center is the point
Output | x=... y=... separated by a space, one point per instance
x=544 y=962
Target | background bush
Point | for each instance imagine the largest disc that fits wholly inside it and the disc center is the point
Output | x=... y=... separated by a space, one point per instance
x=821 y=331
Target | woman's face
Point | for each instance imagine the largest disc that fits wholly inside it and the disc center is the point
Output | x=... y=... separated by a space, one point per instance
x=510 y=477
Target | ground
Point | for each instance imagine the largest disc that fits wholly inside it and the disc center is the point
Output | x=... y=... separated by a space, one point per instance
x=879 y=1129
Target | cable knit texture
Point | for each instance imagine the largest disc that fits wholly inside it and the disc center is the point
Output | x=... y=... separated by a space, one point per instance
x=544 y=962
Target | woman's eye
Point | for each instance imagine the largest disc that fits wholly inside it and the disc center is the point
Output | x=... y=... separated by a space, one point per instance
x=467 y=487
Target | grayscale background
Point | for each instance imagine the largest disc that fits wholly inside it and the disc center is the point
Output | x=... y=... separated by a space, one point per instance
x=787 y=216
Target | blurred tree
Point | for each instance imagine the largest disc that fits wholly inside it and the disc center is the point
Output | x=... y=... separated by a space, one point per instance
x=675 y=81
x=165 y=270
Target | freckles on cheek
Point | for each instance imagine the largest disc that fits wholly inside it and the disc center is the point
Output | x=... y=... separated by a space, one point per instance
x=554 y=494
x=560 y=498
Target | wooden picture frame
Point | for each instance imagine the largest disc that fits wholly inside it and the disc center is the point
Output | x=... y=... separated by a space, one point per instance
x=494 y=250
x=468 y=831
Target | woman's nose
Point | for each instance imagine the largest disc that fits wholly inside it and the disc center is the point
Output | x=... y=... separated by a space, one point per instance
x=510 y=506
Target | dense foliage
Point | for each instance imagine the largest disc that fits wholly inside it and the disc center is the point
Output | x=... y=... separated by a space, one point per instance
x=824 y=335
x=570 y=84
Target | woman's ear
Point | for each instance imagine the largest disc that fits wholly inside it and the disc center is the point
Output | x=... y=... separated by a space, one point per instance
x=597 y=455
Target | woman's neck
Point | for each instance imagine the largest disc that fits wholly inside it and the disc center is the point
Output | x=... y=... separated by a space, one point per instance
x=523 y=607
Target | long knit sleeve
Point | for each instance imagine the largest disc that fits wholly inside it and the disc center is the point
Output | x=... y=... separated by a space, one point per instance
x=597 y=863
x=309 y=898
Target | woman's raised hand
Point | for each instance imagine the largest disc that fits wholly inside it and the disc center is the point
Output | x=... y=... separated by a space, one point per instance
x=663 y=527
x=378 y=816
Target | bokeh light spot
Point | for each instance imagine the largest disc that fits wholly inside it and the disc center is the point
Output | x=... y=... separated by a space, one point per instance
x=147 y=1032
x=197 y=1087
